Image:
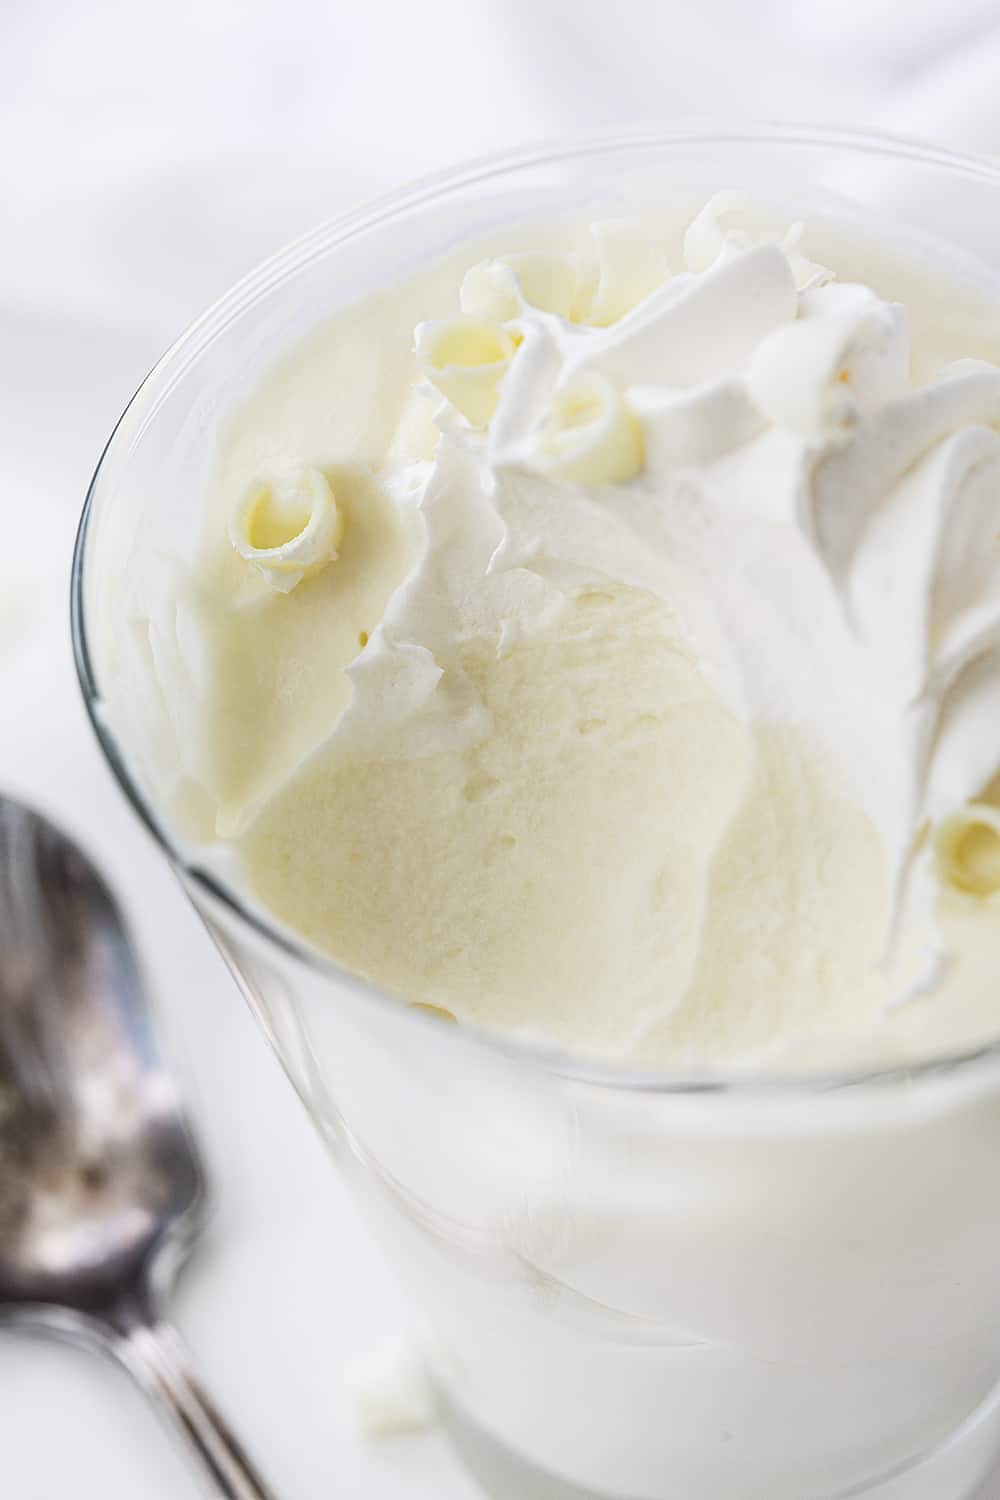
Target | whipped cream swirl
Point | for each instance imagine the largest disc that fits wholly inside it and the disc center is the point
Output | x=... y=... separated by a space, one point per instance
x=744 y=440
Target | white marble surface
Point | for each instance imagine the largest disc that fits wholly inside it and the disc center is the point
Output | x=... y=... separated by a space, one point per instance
x=149 y=154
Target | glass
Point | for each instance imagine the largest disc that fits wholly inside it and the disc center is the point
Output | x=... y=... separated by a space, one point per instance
x=636 y=1285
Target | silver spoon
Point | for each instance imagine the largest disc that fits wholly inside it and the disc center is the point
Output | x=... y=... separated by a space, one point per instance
x=101 y=1188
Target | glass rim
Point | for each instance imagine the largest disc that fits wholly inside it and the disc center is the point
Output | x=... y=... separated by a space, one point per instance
x=271 y=273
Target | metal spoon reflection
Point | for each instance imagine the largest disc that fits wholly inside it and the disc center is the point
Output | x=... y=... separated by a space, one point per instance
x=101 y=1188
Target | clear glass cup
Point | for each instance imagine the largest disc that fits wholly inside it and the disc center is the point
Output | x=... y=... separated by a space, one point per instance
x=635 y=1285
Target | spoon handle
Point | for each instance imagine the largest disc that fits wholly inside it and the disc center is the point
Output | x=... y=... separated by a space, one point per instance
x=156 y=1358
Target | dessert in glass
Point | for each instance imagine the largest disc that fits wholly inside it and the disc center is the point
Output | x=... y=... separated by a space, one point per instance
x=551 y=621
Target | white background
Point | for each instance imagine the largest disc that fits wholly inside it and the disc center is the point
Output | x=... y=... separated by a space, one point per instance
x=149 y=155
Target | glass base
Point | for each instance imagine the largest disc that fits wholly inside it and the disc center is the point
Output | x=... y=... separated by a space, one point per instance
x=953 y=1471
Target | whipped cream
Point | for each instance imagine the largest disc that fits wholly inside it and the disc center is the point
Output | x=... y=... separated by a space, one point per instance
x=752 y=387
x=739 y=513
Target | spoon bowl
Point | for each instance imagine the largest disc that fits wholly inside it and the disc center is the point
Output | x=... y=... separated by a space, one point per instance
x=101 y=1187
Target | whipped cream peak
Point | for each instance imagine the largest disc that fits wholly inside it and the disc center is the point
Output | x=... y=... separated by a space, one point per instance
x=849 y=479
x=697 y=329
x=847 y=352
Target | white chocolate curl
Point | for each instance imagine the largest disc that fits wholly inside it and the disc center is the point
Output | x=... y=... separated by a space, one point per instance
x=466 y=358
x=629 y=266
x=621 y=271
x=967 y=850
x=289 y=528
x=499 y=290
x=391 y=1390
x=707 y=240
x=590 y=435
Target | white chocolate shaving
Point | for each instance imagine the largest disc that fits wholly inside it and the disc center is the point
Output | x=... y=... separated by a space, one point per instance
x=466 y=358
x=499 y=290
x=590 y=435
x=288 y=528
x=967 y=850
x=391 y=1391
x=808 y=273
x=629 y=266
x=707 y=240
